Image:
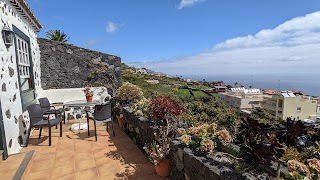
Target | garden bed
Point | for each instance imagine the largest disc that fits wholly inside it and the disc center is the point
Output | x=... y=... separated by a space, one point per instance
x=187 y=163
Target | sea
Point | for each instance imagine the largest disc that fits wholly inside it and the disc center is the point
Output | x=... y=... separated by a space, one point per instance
x=309 y=83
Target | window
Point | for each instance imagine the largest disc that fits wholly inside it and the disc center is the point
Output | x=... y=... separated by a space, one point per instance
x=23 y=63
x=24 y=67
x=298 y=109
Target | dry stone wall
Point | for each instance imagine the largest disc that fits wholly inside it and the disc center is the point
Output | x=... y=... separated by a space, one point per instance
x=67 y=66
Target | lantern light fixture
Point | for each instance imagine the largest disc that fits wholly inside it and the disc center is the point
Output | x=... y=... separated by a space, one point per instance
x=7 y=36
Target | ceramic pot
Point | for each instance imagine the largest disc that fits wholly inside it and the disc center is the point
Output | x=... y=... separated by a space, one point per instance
x=89 y=99
x=120 y=120
x=163 y=168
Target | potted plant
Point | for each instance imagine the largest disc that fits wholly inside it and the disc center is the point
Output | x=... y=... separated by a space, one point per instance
x=89 y=93
x=158 y=152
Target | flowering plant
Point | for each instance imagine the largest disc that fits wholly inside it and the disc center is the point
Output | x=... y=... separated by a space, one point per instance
x=159 y=148
x=162 y=107
x=128 y=93
x=204 y=137
x=141 y=108
x=87 y=91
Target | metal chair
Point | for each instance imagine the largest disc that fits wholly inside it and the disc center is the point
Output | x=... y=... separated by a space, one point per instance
x=49 y=108
x=38 y=120
x=102 y=113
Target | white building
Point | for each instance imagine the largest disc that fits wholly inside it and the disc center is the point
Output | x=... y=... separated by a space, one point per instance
x=20 y=71
x=242 y=98
x=20 y=75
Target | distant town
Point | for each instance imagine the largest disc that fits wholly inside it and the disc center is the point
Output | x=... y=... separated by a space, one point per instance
x=281 y=104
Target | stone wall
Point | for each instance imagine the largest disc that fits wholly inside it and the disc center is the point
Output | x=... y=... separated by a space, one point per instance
x=185 y=164
x=67 y=66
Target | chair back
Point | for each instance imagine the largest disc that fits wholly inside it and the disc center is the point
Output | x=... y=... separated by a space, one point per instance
x=102 y=112
x=44 y=103
x=35 y=113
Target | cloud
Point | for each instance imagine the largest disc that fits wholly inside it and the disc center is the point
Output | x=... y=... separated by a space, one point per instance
x=111 y=27
x=292 y=47
x=91 y=43
x=188 y=3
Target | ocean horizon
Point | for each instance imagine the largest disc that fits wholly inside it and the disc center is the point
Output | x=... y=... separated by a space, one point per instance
x=307 y=82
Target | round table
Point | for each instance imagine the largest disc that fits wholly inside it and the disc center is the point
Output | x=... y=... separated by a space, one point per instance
x=82 y=104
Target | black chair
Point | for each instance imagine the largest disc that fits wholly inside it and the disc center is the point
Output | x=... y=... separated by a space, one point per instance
x=102 y=113
x=49 y=108
x=38 y=120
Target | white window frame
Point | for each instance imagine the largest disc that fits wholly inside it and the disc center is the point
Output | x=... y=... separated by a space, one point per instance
x=23 y=57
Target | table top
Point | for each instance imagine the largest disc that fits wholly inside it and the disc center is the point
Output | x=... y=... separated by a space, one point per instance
x=82 y=103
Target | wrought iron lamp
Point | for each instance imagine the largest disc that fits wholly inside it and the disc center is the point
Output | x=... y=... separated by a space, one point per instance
x=7 y=36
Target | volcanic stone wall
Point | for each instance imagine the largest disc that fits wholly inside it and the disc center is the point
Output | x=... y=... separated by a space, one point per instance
x=67 y=66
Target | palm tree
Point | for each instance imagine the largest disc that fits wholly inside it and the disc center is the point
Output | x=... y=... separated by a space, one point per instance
x=57 y=35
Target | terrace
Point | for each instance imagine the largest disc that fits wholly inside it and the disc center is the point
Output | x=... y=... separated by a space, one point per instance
x=77 y=156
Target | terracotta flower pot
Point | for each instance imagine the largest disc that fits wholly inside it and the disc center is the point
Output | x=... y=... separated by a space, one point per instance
x=89 y=98
x=163 y=168
x=120 y=120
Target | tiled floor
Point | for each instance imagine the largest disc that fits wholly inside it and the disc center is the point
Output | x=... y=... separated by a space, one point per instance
x=77 y=156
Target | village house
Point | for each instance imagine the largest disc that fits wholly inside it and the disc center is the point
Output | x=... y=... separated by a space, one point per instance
x=20 y=71
x=142 y=71
x=287 y=104
x=243 y=98
x=31 y=68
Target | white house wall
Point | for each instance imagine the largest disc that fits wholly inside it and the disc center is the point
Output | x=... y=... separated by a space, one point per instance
x=15 y=121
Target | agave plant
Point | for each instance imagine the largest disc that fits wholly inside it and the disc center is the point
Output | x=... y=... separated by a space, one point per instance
x=57 y=35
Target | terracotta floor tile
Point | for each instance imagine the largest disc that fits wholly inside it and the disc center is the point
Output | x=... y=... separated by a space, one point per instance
x=63 y=170
x=44 y=157
x=85 y=164
x=8 y=174
x=100 y=152
x=16 y=156
x=65 y=147
x=39 y=175
x=64 y=160
x=41 y=165
x=10 y=165
x=108 y=169
x=83 y=156
x=105 y=160
x=88 y=174
x=98 y=145
x=60 y=154
x=67 y=177
x=77 y=156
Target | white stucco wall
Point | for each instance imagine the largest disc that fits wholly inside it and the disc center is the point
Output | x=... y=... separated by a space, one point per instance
x=16 y=122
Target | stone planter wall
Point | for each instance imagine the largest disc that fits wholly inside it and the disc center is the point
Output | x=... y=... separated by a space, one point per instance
x=184 y=164
x=139 y=129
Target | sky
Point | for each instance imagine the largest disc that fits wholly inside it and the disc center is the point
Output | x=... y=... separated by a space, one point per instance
x=193 y=37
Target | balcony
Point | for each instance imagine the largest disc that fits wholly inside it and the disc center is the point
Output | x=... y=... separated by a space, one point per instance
x=77 y=156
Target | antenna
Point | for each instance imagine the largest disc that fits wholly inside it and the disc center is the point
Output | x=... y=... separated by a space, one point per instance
x=279 y=86
x=251 y=81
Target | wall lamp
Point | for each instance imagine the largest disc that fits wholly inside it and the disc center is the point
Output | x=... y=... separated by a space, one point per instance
x=7 y=36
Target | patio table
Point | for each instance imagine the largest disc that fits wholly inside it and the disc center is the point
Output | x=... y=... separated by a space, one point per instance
x=83 y=105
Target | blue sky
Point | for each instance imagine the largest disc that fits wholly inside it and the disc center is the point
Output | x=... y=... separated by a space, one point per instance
x=192 y=36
